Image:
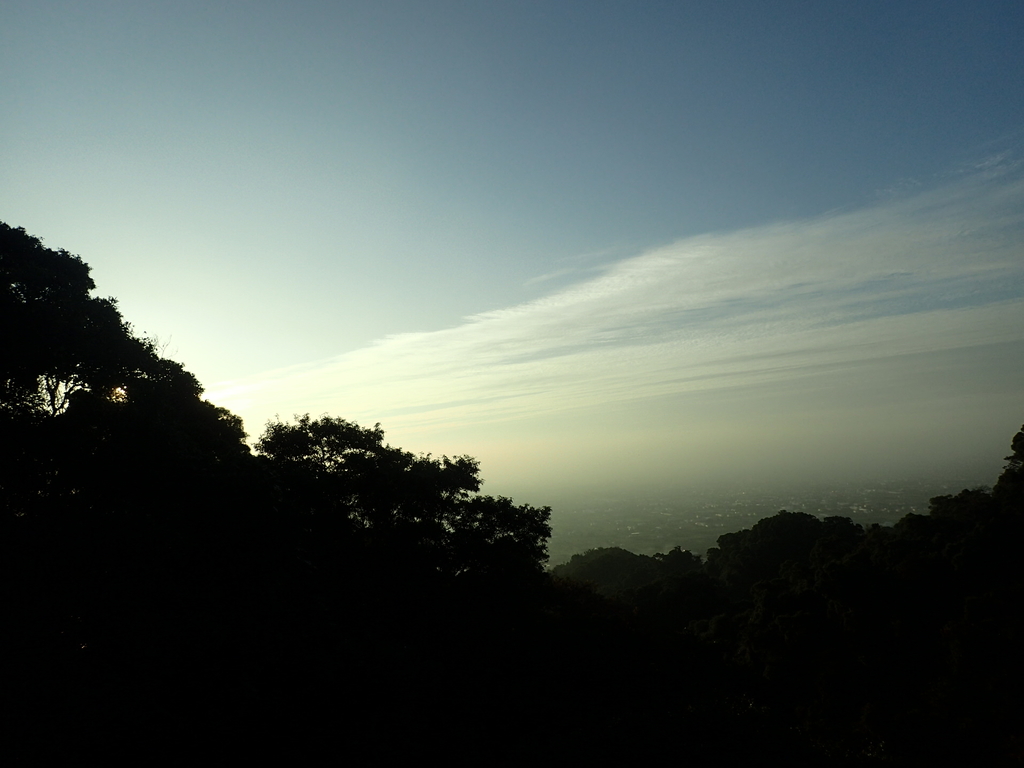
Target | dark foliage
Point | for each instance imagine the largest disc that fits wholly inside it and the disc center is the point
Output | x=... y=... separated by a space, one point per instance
x=893 y=644
x=168 y=593
x=356 y=495
x=613 y=571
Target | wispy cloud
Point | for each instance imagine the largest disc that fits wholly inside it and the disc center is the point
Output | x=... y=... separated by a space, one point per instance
x=941 y=270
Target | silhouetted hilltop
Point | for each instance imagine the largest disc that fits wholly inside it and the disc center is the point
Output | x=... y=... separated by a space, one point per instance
x=170 y=592
x=896 y=643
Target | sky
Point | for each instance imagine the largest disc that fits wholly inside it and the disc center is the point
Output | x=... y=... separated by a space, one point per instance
x=601 y=246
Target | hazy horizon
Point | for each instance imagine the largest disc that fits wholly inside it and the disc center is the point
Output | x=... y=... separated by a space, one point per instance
x=785 y=354
x=608 y=249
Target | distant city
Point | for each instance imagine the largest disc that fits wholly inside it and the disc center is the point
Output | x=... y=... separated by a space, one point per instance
x=695 y=519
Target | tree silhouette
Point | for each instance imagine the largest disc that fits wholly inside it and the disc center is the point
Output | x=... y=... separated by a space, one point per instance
x=354 y=491
x=61 y=340
x=334 y=589
x=1009 y=489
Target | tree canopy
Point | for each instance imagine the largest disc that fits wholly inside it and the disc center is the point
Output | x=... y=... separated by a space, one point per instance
x=66 y=340
x=350 y=483
x=336 y=592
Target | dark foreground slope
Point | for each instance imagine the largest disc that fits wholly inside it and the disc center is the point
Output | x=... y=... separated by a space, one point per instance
x=896 y=644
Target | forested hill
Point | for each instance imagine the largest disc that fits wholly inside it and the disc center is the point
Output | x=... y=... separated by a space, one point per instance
x=170 y=592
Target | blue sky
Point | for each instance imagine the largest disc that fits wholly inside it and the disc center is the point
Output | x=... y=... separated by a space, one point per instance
x=585 y=241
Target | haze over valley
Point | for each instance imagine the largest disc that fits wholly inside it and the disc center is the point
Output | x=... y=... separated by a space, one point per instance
x=612 y=253
x=547 y=382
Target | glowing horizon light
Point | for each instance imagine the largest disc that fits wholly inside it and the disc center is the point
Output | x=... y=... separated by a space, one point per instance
x=815 y=314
